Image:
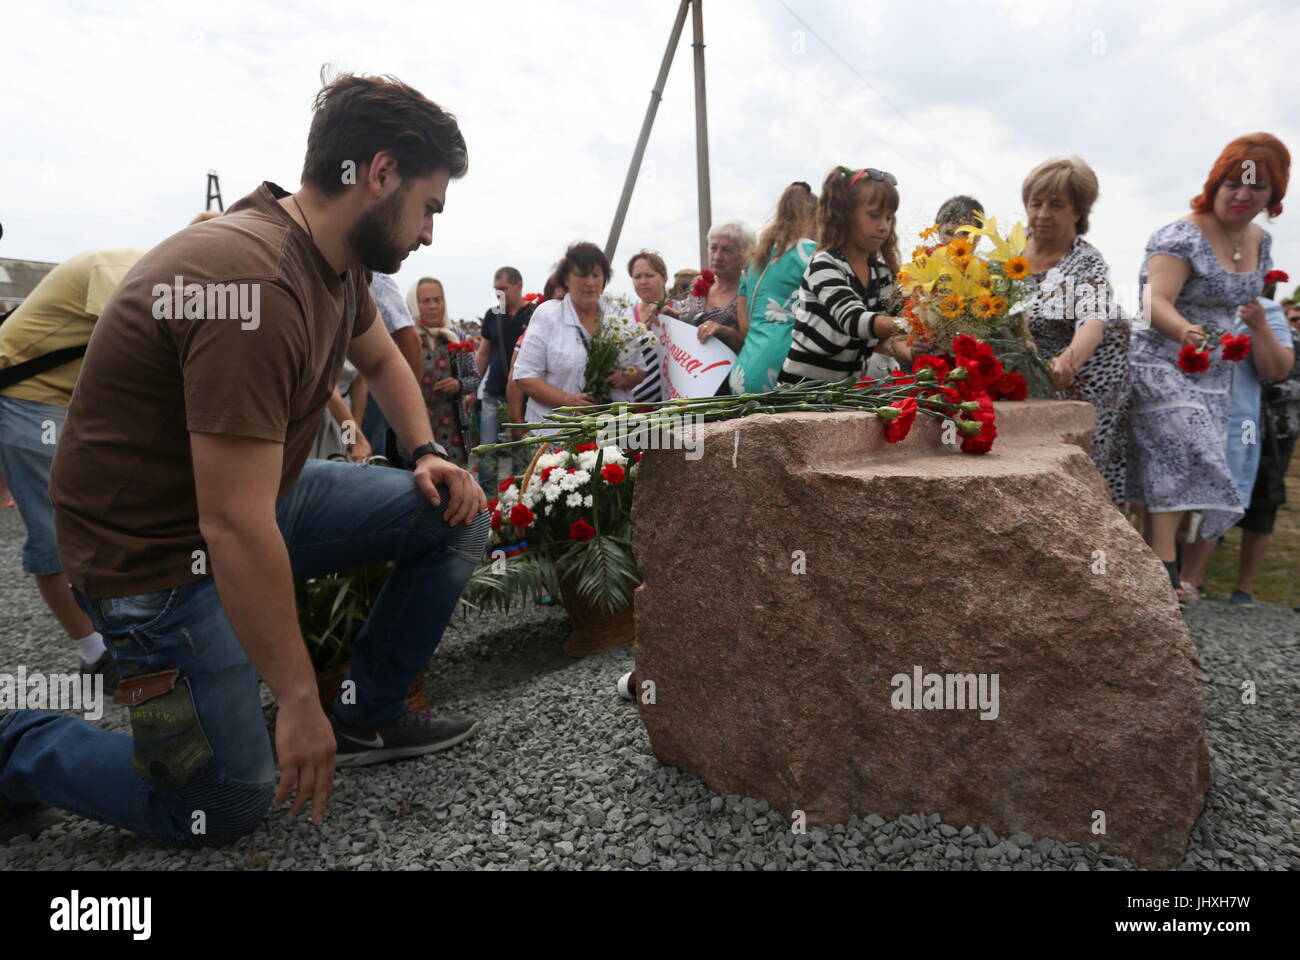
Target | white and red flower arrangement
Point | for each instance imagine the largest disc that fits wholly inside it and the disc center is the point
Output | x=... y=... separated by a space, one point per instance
x=573 y=518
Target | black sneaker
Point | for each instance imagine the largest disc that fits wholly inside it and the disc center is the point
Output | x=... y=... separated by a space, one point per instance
x=105 y=666
x=31 y=819
x=410 y=735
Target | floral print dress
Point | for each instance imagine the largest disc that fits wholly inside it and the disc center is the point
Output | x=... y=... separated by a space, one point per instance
x=447 y=412
x=1178 y=449
x=1059 y=302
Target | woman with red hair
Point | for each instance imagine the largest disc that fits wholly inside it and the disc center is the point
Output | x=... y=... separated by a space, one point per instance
x=1199 y=272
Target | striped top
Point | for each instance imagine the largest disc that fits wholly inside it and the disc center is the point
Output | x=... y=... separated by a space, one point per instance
x=832 y=330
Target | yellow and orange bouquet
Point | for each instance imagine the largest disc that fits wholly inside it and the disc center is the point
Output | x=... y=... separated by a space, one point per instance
x=951 y=289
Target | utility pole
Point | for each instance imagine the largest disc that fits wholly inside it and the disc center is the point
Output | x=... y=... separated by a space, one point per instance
x=702 y=136
x=214 y=192
x=701 y=132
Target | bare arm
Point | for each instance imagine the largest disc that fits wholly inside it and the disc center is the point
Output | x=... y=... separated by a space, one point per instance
x=408 y=343
x=1166 y=275
x=236 y=480
x=742 y=316
x=1273 y=359
x=376 y=356
x=360 y=394
x=483 y=356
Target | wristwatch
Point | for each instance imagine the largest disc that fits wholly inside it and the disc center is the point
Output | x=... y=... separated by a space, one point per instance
x=426 y=448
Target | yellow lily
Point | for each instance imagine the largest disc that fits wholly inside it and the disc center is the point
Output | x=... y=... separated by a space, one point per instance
x=1003 y=250
x=923 y=273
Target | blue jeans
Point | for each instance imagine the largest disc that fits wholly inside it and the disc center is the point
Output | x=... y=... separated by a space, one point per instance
x=217 y=758
x=28 y=435
x=495 y=412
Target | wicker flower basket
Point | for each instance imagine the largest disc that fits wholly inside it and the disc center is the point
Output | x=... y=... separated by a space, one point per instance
x=594 y=629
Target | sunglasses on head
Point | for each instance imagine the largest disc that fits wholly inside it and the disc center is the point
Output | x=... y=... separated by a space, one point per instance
x=874 y=174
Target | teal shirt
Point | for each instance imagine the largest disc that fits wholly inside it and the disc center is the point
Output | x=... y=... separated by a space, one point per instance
x=771 y=296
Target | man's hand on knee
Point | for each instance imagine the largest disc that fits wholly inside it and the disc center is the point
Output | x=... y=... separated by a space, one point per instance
x=466 y=499
x=305 y=747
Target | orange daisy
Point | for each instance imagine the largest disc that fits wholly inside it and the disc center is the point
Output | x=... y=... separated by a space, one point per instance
x=952 y=306
x=983 y=306
x=959 y=247
x=1000 y=305
x=1016 y=268
x=929 y=232
x=963 y=262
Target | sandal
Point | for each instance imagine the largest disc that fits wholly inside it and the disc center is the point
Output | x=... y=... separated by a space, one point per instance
x=1187 y=593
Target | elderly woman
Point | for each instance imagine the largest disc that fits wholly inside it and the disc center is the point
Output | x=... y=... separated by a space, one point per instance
x=552 y=365
x=1071 y=310
x=447 y=376
x=1203 y=269
x=715 y=312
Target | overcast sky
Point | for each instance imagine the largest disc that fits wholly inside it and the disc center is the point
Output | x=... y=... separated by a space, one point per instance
x=113 y=113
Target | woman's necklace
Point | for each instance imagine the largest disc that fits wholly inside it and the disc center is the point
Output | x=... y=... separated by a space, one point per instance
x=1236 y=244
x=305 y=221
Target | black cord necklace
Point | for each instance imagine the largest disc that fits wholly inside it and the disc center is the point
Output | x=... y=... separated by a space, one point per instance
x=305 y=221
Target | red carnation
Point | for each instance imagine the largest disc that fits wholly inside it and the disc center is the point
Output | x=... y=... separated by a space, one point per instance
x=521 y=516
x=965 y=346
x=613 y=473
x=901 y=379
x=1192 y=360
x=584 y=447
x=581 y=530
x=866 y=382
x=940 y=366
x=901 y=425
x=1011 y=386
x=492 y=504
x=496 y=519
x=504 y=485
x=546 y=473
x=636 y=458
x=703 y=283
x=982 y=443
x=1276 y=276
x=1235 y=348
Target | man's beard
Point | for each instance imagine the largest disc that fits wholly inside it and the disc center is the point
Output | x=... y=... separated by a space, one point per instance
x=371 y=237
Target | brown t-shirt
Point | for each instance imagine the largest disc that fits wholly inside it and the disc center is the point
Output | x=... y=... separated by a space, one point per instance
x=233 y=326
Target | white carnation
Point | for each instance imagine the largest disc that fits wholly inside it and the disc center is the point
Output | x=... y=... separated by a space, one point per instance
x=580 y=478
x=587 y=459
x=614 y=455
x=551 y=493
x=587 y=500
x=573 y=500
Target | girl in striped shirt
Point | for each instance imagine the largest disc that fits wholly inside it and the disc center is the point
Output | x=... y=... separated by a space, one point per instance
x=840 y=319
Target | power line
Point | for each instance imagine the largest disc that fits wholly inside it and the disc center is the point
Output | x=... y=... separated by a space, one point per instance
x=940 y=151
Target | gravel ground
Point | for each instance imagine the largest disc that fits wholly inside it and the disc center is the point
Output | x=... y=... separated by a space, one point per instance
x=561 y=775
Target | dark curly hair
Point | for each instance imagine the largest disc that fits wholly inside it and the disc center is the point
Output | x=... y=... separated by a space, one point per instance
x=357 y=116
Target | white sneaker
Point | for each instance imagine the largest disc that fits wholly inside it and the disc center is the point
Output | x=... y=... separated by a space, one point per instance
x=625 y=687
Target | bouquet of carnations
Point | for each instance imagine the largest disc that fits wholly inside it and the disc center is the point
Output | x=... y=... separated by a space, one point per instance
x=1195 y=357
x=566 y=524
x=618 y=331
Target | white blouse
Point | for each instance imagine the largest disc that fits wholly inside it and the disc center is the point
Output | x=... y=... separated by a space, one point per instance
x=555 y=350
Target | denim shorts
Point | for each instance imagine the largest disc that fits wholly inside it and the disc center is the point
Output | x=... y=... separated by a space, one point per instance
x=28 y=435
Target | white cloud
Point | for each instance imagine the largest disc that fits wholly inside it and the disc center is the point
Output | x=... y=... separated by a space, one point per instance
x=114 y=113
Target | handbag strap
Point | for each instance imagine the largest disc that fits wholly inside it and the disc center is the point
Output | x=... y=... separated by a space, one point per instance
x=38 y=365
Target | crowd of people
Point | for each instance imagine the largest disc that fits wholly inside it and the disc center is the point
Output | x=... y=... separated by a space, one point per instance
x=178 y=479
